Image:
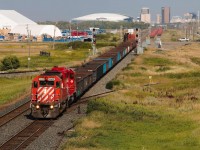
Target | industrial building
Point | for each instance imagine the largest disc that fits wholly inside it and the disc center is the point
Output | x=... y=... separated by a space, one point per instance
x=158 y=18
x=145 y=15
x=104 y=17
x=165 y=15
x=13 y=23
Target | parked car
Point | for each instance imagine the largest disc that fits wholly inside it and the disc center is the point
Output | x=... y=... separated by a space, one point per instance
x=183 y=39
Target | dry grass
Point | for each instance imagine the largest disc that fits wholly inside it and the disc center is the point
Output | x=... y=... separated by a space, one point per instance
x=21 y=49
x=172 y=35
x=178 y=95
x=141 y=116
x=90 y=124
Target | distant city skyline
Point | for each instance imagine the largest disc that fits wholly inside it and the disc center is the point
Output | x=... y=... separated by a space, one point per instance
x=62 y=10
x=166 y=15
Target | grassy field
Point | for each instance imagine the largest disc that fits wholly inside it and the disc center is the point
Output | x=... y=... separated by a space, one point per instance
x=147 y=114
x=12 y=89
x=61 y=55
x=58 y=57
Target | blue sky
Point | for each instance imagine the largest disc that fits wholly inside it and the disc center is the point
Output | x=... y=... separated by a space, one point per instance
x=65 y=10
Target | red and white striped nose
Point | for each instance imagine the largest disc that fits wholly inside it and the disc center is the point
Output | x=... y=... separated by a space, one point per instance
x=45 y=94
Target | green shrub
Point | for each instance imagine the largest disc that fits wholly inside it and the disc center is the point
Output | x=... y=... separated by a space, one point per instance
x=1 y=66
x=195 y=60
x=110 y=84
x=104 y=44
x=10 y=62
x=145 y=49
x=128 y=67
x=114 y=39
x=79 y=44
x=173 y=39
x=103 y=36
x=74 y=45
x=163 y=69
x=143 y=68
x=61 y=46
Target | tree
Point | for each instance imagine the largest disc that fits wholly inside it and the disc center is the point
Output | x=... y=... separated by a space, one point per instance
x=10 y=62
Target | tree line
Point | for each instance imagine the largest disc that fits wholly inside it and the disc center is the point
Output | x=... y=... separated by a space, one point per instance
x=97 y=24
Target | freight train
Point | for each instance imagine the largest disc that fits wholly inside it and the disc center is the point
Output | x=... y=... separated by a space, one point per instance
x=156 y=32
x=56 y=89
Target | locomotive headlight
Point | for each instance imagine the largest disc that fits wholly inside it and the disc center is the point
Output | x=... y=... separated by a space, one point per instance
x=37 y=106
x=51 y=107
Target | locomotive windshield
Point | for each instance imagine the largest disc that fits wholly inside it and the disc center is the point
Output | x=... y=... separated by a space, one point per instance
x=46 y=83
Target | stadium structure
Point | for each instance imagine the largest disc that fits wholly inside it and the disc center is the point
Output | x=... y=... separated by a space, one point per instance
x=15 y=23
x=104 y=17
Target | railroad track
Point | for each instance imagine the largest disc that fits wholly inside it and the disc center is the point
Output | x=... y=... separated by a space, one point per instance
x=19 y=73
x=25 y=107
x=96 y=95
x=14 y=114
x=26 y=136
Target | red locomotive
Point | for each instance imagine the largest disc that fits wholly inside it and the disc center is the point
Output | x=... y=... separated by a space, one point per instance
x=52 y=92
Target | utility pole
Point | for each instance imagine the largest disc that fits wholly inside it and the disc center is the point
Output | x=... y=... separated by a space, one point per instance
x=121 y=32
x=70 y=28
x=93 y=41
x=54 y=36
x=28 y=40
x=77 y=31
x=70 y=31
x=198 y=21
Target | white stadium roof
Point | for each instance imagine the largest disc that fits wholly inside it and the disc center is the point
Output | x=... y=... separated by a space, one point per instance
x=18 y=23
x=103 y=17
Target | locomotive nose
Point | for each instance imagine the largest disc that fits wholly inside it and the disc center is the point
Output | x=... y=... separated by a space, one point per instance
x=46 y=94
